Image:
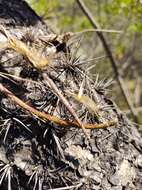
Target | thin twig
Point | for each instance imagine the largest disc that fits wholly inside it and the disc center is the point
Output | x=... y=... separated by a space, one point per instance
x=120 y=81
x=65 y=102
x=48 y=117
x=99 y=30
x=6 y=75
x=68 y=187
x=39 y=62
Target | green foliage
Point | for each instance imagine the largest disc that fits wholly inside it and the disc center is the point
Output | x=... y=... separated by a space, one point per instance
x=135 y=27
x=128 y=9
x=63 y=11
x=44 y=7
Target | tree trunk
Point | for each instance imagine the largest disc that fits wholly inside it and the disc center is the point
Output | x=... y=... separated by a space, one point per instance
x=36 y=153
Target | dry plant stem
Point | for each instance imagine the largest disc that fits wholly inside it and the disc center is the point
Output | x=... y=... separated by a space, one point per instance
x=99 y=30
x=68 y=187
x=3 y=74
x=65 y=102
x=48 y=117
x=38 y=60
x=120 y=81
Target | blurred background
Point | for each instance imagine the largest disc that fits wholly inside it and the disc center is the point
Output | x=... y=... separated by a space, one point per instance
x=126 y=47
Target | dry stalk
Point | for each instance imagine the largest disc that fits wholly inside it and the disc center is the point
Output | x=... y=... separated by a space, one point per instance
x=39 y=61
x=48 y=117
x=65 y=102
x=123 y=87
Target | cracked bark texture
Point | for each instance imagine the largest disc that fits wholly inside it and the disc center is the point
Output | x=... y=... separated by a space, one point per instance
x=50 y=156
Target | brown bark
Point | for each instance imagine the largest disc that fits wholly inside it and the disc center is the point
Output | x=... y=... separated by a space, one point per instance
x=42 y=154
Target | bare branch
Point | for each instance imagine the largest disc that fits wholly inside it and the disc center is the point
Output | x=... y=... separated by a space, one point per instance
x=120 y=81
x=48 y=117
